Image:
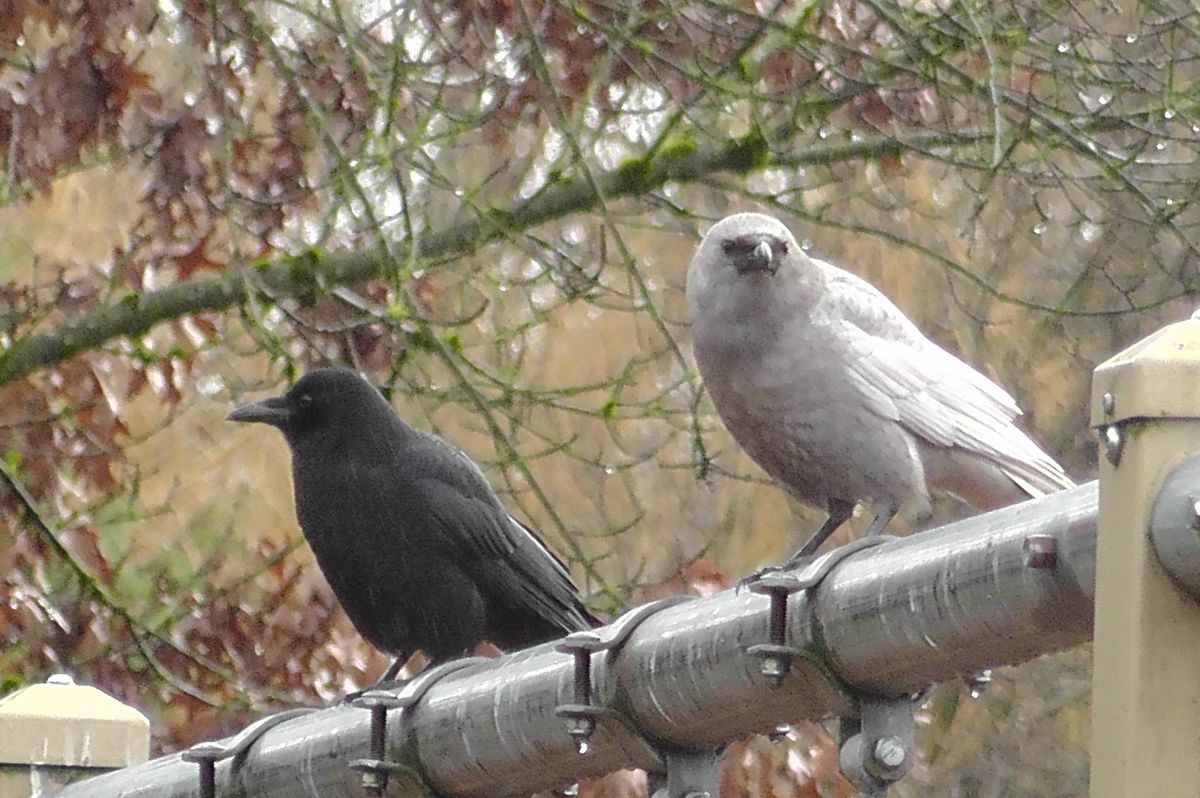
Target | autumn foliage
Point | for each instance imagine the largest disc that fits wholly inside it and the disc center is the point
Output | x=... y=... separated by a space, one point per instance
x=181 y=178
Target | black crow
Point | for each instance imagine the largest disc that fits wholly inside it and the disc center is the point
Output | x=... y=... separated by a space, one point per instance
x=413 y=540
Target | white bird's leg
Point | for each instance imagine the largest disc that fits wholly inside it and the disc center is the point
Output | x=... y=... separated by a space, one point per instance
x=881 y=521
x=839 y=512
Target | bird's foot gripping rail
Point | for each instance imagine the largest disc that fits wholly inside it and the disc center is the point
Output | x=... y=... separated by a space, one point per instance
x=376 y=769
x=875 y=747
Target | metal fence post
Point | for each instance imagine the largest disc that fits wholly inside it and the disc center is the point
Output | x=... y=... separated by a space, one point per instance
x=55 y=733
x=1146 y=676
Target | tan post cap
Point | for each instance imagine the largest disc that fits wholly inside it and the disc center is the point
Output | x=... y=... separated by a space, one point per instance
x=1154 y=378
x=56 y=732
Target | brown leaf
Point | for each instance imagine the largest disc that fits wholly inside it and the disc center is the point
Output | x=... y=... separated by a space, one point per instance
x=83 y=541
x=196 y=259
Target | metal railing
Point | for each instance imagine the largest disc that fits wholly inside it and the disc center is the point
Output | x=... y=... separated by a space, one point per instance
x=884 y=621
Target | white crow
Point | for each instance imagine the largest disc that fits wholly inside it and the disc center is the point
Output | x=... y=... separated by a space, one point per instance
x=838 y=396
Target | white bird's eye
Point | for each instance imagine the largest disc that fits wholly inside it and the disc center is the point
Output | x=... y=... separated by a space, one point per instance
x=728 y=247
x=783 y=247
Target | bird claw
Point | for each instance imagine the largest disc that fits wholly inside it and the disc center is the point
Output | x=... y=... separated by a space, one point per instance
x=350 y=698
x=389 y=684
x=746 y=581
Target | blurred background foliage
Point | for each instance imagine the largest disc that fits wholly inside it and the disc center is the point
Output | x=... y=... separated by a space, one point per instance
x=489 y=208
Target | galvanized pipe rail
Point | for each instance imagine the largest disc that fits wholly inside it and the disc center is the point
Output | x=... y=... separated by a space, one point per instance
x=991 y=590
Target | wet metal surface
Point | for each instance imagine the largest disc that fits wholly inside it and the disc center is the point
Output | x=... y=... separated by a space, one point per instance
x=963 y=597
x=892 y=619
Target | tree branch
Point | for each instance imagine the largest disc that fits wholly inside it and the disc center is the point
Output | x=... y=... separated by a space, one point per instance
x=311 y=272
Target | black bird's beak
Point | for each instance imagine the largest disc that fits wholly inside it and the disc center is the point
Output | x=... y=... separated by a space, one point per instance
x=274 y=411
x=759 y=259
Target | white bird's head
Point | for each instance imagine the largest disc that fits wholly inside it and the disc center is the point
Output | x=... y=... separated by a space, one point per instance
x=742 y=255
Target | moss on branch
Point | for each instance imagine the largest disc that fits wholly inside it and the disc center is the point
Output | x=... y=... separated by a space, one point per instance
x=301 y=277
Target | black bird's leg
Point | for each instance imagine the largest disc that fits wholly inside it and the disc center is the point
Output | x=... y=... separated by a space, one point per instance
x=387 y=681
x=392 y=670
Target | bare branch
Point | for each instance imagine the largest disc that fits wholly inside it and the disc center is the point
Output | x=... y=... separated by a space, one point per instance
x=301 y=276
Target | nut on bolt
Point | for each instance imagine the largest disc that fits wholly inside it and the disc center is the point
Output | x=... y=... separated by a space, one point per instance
x=773 y=668
x=372 y=782
x=1041 y=551
x=374 y=770
x=890 y=753
x=775 y=656
x=581 y=715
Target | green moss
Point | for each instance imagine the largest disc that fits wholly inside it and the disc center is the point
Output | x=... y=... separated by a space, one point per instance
x=1015 y=37
x=799 y=32
x=633 y=176
x=499 y=218
x=423 y=340
x=406 y=757
x=744 y=70
x=302 y=271
x=677 y=147
x=1133 y=427
x=641 y=44
x=749 y=153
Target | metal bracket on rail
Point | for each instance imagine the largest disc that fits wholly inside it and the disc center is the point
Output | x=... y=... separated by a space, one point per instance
x=207 y=754
x=376 y=769
x=876 y=748
x=689 y=774
x=582 y=715
x=776 y=656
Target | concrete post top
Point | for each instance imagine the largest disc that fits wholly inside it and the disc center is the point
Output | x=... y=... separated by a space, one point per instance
x=63 y=723
x=1157 y=377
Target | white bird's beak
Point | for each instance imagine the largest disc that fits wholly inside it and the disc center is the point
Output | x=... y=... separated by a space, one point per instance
x=759 y=259
x=763 y=252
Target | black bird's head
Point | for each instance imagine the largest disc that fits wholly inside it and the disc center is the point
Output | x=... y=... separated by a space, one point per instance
x=323 y=405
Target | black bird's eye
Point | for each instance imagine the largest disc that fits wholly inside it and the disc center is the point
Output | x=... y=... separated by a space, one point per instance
x=728 y=247
x=305 y=400
x=783 y=247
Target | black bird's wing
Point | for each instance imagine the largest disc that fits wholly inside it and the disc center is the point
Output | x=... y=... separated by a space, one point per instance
x=507 y=558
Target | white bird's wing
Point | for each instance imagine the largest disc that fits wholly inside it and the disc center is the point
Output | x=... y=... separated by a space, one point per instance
x=905 y=377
